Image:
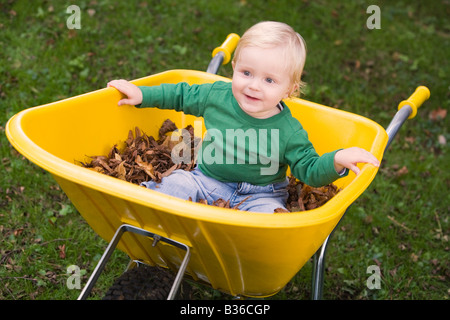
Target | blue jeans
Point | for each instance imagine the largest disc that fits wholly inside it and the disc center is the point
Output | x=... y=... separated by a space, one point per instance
x=194 y=184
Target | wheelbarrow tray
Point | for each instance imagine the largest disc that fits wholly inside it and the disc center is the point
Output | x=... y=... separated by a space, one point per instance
x=241 y=253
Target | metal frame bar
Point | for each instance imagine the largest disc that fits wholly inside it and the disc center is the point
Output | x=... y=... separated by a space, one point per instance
x=396 y=123
x=318 y=270
x=113 y=244
x=215 y=63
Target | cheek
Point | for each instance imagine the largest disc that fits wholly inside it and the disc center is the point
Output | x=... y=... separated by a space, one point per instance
x=285 y=93
x=236 y=84
x=234 y=88
x=278 y=92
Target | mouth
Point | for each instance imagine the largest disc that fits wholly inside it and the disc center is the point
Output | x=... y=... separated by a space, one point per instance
x=251 y=98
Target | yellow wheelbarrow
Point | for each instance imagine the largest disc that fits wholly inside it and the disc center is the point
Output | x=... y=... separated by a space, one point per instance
x=240 y=253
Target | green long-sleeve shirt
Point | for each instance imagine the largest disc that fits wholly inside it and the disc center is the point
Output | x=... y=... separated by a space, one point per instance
x=238 y=147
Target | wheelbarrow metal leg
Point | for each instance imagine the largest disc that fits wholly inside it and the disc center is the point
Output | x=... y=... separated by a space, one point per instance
x=319 y=265
x=318 y=271
x=179 y=276
x=113 y=244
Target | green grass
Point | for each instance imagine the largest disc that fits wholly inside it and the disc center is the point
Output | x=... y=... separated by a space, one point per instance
x=400 y=223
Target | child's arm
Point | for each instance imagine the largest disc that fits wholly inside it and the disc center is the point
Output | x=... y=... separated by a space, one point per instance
x=349 y=158
x=191 y=99
x=133 y=93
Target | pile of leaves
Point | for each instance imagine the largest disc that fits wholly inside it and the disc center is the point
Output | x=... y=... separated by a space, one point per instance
x=144 y=158
x=303 y=197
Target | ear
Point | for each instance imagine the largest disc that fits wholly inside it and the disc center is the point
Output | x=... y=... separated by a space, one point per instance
x=232 y=64
x=291 y=91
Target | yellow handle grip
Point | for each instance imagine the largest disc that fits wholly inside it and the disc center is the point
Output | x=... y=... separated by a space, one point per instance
x=227 y=47
x=419 y=96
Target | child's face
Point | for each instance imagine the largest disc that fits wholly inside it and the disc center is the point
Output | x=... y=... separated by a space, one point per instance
x=260 y=81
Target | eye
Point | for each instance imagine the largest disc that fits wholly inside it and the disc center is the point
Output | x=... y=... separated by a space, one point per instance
x=246 y=73
x=270 y=80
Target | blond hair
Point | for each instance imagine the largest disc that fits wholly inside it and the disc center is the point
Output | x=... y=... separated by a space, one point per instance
x=268 y=34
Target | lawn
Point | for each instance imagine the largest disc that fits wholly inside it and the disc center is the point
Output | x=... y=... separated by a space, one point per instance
x=400 y=224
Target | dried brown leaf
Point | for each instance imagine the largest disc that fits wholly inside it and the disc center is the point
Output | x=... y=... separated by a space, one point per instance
x=121 y=171
x=62 y=251
x=438 y=114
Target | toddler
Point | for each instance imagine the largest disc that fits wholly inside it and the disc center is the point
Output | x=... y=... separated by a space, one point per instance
x=251 y=136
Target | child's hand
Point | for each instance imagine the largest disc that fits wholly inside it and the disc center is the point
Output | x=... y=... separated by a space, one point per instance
x=133 y=93
x=349 y=158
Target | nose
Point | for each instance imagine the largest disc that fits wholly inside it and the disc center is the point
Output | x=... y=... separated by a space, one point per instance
x=253 y=84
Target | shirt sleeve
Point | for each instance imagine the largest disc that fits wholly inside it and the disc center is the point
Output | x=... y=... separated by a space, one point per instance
x=191 y=99
x=306 y=164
